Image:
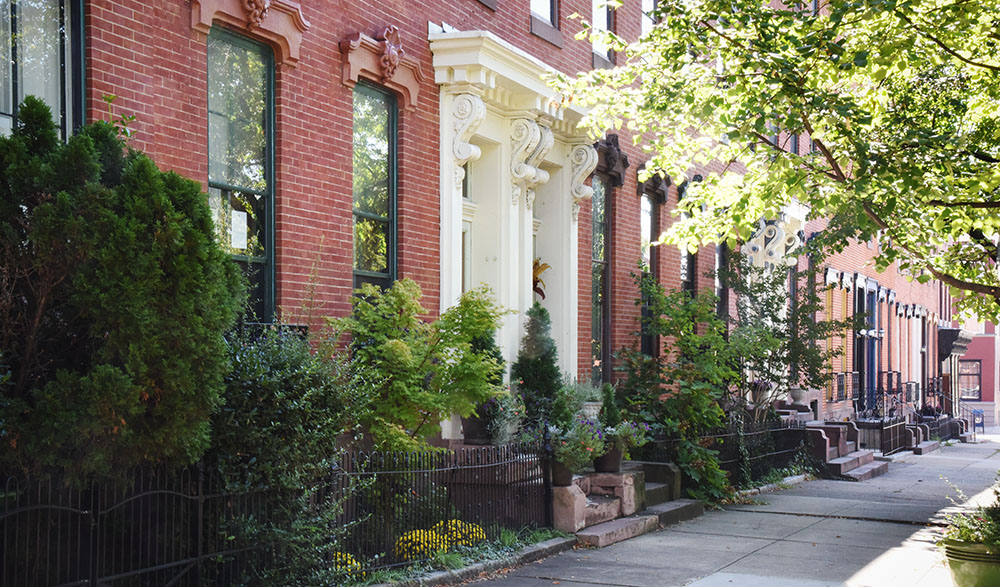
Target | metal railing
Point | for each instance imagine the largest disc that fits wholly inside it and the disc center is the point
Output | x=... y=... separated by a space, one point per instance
x=188 y=527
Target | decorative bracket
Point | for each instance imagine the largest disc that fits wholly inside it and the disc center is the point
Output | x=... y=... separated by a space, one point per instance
x=383 y=61
x=541 y=176
x=832 y=277
x=525 y=135
x=611 y=162
x=583 y=160
x=467 y=112
x=656 y=186
x=278 y=22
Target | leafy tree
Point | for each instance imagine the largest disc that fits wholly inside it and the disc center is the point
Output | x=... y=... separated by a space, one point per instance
x=536 y=374
x=776 y=336
x=113 y=303
x=679 y=394
x=880 y=115
x=415 y=373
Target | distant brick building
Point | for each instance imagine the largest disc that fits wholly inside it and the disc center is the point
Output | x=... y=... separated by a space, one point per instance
x=343 y=143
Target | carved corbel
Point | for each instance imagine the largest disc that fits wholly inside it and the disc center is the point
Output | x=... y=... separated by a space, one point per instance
x=583 y=160
x=612 y=162
x=524 y=137
x=383 y=61
x=467 y=112
x=278 y=22
x=545 y=142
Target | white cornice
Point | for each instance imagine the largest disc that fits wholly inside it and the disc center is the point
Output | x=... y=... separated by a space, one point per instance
x=508 y=79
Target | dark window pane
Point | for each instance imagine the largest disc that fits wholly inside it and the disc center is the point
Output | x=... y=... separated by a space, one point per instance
x=597 y=321
x=257 y=276
x=598 y=220
x=239 y=220
x=371 y=245
x=237 y=96
x=371 y=152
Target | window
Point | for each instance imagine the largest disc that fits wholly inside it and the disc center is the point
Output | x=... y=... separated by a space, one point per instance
x=600 y=308
x=688 y=260
x=648 y=15
x=374 y=186
x=42 y=56
x=647 y=222
x=241 y=159
x=544 y=9
x=970 y=379
x=793 y=144
x=601 y=21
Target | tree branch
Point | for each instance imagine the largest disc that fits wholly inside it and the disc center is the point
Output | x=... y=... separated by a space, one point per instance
x=839 y=173
x=990 y=205
x=943 y=46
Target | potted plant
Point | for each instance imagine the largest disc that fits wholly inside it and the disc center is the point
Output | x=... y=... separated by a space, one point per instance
x=573 y=448
x=620 y=436
x=972 y=545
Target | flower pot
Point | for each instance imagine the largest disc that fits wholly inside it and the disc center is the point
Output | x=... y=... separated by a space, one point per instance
x=476 y=430
x=590 y=410
x=972 y=564
x=609 y=462
x=562 y=476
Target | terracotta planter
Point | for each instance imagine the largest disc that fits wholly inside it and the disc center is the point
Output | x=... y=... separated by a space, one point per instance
x=476 y=430
x=562 y=476
x=971 y=564
x=609 y=462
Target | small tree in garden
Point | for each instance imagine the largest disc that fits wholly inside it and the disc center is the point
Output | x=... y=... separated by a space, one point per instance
x=114 y=298
x=678 y=394
x=416 y=373
x=535 y=373
x=777 y=335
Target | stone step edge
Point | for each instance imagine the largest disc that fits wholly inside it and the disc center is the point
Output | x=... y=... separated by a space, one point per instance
x=877 y=469
x=646 y=521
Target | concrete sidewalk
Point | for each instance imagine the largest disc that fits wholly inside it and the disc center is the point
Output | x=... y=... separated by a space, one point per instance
x=880 y=532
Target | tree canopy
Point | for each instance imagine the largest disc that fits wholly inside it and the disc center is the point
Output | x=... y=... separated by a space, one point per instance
x=881 y=115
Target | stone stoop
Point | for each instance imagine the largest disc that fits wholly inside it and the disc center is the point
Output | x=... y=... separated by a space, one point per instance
x=649 y=520
x=926 y=447
x=866 y=472
x=849 y=462
x=605 y=508
x=601 y=508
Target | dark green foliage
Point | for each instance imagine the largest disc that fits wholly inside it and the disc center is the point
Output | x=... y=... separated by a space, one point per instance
x=277 y=434
x=679 y=395
x=536 y=370
x=611 y=414
x=114 y=298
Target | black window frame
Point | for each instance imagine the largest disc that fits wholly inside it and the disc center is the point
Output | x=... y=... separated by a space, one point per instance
x=267 y=303
x=70 y=114
x=978 y=376
x=360 y=276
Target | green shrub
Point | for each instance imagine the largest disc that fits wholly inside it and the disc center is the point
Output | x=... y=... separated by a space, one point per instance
x=114 y=298
x=535 y=373
x=415 y=373
x=276 y=435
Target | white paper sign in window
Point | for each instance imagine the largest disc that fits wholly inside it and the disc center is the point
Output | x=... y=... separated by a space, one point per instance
x=238 y=232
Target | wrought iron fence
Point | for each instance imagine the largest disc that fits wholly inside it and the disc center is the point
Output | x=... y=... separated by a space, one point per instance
x=747 y=449
x=407 y=503
x=158 y=527
x=886 y=434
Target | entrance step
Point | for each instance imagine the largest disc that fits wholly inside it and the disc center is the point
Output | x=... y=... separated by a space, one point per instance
x=663 y=514
x=676 y=511
x=614 y=531
x=965 y=437
x=849 y=462
x=601 y=508
x=657 y=493
x=926 y=447
x=866 y=472
x=852 y=445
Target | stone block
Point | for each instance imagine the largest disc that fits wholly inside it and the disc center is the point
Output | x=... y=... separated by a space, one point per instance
x=569 y=508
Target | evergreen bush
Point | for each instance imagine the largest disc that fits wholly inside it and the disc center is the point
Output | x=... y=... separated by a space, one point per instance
x=114 y=298
x=535 y=373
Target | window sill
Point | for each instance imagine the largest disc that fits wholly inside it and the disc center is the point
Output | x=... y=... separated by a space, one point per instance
x=546 y=31
x=602 y=62
x=491 y=4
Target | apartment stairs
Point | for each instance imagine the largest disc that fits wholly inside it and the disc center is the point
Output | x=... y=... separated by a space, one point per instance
x=605 y=508
x=836 y=445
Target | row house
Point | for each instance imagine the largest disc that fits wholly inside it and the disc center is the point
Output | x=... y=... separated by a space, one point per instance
x=348 y=143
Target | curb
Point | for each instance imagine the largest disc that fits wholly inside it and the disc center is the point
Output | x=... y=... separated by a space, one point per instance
x=528 y=554
x=783 y=484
